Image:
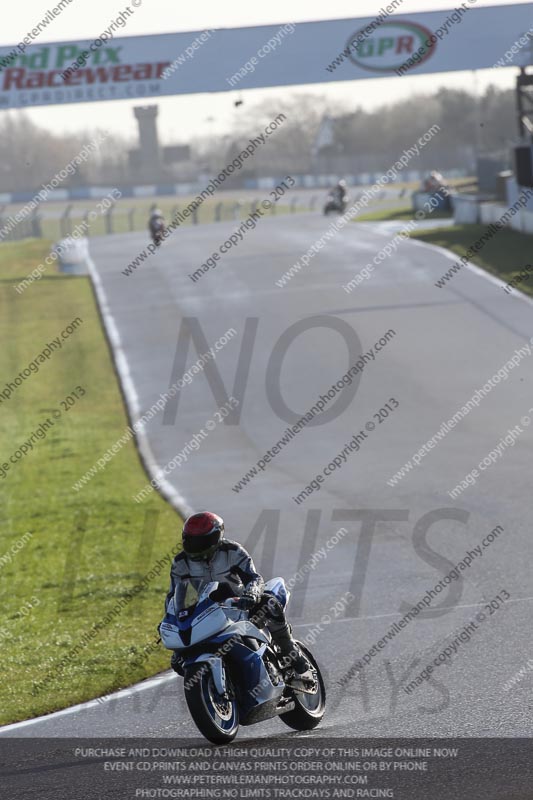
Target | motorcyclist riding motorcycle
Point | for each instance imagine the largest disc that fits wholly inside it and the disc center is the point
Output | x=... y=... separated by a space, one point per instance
x=337 y=199
x=208 y=556
x=156 y=224
x=340 y=191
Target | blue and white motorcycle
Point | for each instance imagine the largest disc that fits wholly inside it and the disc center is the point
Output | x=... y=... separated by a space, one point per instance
x=234 y=674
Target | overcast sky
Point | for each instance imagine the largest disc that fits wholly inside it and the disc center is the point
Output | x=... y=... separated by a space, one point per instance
x=184 y=117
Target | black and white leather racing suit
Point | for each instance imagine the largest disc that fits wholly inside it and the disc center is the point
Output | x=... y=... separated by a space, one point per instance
x=232 y=564
x=340 y=193
x=155 y=222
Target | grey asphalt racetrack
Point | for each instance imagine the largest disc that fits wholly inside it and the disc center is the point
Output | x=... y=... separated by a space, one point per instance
x=446 y=344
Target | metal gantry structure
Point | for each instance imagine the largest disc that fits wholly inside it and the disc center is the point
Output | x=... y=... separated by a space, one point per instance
x=524 y=97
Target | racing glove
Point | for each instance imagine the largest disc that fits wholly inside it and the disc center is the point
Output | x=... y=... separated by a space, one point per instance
x=247 y=601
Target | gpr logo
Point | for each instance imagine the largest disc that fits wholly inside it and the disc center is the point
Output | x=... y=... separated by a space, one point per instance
x=390 y=46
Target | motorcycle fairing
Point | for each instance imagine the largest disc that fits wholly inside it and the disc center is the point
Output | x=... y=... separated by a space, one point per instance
x=250 y=677
x=278 y=588
x=178 y=632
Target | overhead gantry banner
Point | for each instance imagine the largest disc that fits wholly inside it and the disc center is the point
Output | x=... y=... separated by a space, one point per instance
x=390 y=44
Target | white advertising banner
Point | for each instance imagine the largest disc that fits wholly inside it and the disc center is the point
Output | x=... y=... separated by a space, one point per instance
x=390 y=44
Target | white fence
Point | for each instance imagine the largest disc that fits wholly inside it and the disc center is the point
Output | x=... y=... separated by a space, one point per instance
x=469 y=210
x=493 y=212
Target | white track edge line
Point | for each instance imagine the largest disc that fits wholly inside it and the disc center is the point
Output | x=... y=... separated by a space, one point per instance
x=472 y=267
x=150 y=683
x=178 y=502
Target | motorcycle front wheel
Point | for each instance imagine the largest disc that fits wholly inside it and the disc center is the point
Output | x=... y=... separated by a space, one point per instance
x=216 y=716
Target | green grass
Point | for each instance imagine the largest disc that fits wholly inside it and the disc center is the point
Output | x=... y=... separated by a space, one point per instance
x=400 y=214
x=465 y=185
x=504 y=256
x=403 y=212
x=383 y=214
x=87 y=549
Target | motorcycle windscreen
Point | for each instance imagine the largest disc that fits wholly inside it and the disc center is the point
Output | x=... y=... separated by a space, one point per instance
x=208 y=623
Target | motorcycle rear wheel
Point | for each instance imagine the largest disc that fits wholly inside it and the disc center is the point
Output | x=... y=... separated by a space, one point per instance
x=216 y=717
x=309 y=709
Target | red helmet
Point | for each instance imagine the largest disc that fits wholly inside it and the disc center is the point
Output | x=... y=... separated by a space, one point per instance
x=202 y=534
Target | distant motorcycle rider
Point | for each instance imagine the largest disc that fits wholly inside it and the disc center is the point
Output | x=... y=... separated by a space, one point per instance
x=156 y=224
x=339 y=192
x=208 y=556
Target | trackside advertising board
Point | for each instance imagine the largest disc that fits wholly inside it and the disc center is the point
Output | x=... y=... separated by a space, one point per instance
x=389 y=44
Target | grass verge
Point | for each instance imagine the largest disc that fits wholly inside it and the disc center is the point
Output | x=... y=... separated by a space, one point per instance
x=400 y=214
x=504 y=256
x=68 y=558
